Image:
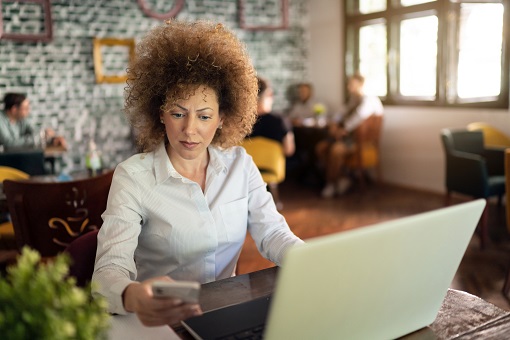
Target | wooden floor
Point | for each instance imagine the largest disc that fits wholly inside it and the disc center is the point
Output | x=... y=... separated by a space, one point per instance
x=481 y=272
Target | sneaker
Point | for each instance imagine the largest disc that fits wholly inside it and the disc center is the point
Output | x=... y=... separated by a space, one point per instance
x=328 y=191
x=343 y=185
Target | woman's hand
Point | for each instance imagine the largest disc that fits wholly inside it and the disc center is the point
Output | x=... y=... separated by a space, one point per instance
x=138 y=298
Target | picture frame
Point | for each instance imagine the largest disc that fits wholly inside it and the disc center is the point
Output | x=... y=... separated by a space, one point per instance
x=176 y=8
x=283 y=24
x=45 y=36
x=98 y=44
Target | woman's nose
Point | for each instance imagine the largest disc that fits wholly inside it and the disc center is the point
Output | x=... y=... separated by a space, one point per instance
x=190 y=126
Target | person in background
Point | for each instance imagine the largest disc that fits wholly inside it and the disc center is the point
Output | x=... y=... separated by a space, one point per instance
x=303 y=110
x=268 y=124
x=333 y=152
x=181 y=209
x=15 y=131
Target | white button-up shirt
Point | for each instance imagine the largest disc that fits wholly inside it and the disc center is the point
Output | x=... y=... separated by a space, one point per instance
x=158 y=222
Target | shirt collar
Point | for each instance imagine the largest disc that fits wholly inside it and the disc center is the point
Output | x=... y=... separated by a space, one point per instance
x=163 y=167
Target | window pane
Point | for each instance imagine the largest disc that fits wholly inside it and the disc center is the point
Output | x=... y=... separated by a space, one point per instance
x=413 y=2
x=418 y=56
x=372 y=54
x=480 y=41
x=365 y=6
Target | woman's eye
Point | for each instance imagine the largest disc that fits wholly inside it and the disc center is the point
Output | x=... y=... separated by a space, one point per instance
x=177 y=115
x=205 y=117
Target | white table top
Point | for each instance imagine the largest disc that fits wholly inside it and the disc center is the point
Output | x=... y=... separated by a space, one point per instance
x=126 y=327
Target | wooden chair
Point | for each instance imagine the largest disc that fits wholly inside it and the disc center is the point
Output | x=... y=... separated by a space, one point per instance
x=49 y=216
x=492 y=137
x=506 y=286
x=366 y=153
x=473 y=170
x=270 y=160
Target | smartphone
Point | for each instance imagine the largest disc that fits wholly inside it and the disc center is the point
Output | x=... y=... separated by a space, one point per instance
x=187 y=291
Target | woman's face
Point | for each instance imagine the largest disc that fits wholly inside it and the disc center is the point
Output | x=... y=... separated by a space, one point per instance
x=191 y=124
x=265 y=101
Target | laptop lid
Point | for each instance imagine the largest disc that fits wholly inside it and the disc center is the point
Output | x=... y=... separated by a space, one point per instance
x=376 y=282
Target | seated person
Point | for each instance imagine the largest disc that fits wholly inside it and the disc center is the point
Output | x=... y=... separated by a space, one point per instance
x=15 y=131
x=303 y=110
x=181 y=209
x=333 y=152
x=270 y=125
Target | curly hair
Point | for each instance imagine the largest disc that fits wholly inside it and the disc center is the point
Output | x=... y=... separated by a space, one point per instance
x=175 y=59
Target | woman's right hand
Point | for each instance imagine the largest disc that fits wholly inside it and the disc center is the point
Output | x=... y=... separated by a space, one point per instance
x=138 y=298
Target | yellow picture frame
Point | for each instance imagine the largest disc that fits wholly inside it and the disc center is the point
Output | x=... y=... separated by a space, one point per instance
x=101 y=75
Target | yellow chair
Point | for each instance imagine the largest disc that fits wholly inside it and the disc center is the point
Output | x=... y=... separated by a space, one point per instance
x=7 y=239
x=492 y=137
x=366 y=153
x=270 y=160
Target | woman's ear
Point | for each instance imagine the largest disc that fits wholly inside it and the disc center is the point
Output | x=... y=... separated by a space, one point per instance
x=222 y=116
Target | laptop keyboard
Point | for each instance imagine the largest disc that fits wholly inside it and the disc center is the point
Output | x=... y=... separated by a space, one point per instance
x=254 y=333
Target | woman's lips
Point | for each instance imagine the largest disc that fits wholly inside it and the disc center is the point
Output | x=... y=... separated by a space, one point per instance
x=189 y=145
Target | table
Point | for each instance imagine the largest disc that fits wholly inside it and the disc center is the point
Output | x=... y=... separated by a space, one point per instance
x=462 y=315
x=306 y=138
x=52 y=154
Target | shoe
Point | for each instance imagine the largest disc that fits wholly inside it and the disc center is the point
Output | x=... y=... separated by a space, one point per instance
x=343 y=185
x=328 y=191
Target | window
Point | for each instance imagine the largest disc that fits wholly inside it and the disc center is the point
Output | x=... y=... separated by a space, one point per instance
x=426 y=52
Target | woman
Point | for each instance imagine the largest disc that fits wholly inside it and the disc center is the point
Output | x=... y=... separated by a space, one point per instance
x=181 y=209
x=270 y=125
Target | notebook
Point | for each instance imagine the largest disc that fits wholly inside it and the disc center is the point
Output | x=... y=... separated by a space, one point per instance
x=377 y=282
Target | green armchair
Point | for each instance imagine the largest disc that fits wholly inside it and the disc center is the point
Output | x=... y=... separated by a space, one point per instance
x=473 y=170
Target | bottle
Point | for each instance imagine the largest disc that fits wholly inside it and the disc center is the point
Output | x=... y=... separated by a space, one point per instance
x=93 y=159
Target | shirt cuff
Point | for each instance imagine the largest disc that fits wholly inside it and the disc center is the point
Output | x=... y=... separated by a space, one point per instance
x=116 y=304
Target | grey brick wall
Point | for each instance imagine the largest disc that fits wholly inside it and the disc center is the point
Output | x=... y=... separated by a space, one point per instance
x=59 y=76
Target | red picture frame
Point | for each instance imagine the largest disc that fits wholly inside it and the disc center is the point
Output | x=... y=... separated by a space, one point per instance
x=284 y=24
x=47 y=34
x=176 y=8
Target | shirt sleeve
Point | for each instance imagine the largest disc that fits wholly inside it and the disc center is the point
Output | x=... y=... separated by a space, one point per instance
x=117 y=240
x=367 y=107
x=266 y=225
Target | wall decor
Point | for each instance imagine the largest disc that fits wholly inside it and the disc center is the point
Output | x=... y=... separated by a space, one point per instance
x=256 y=22
x=104 y=48
x=24 y=17
x=176 y=8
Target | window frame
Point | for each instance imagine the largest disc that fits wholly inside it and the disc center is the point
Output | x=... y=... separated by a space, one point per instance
x=447 y=56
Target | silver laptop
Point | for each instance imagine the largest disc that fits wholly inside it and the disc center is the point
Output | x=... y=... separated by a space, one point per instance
x=377 y=282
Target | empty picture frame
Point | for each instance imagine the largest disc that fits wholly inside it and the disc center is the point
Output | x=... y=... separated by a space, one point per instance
x=255 y=22
x=46 y=32
x=176 y=8
x=108 y=49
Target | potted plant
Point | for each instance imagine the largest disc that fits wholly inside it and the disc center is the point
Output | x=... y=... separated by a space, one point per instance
x=40 y=301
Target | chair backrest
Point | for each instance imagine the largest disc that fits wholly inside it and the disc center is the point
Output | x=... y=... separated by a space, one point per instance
x=491 y=135
x=6 y=172
x=507 y=185
x=29 y=161
x=49 y=216
x=267 y=155
x=83 y=256
x=366 y=137
x=466 y=170
x=463 y=140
